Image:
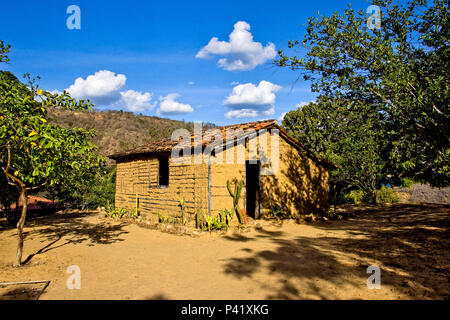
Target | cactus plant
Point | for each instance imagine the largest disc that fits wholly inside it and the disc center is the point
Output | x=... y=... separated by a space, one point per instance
x=181 y=204
x=236 y=196
x=136 y=211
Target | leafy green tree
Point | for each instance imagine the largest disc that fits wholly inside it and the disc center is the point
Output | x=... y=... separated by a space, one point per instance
x=349 y=138
x=399 y=70
x=4 y=49
x=96 y=189
x=35 y=153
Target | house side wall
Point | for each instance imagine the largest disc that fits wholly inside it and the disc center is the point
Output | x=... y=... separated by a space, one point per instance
x=140 y=176
x=220 y=174
x=299 y=186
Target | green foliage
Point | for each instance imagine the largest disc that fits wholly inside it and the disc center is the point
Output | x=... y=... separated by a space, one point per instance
x=214 y=223
x=136 y=211
x=112 y=212
x=35 y=153
x=39 y=151
x=92 y=192
x=383 y=195
x=348 y=134
x=168 y=219
x=181 y=205
x=4 y=49
x=386 y=195
x=407 y=183
x=399 y=73
x=352 y=197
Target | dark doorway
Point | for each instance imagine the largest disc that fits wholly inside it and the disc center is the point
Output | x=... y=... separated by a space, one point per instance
x=163 y=179
x=252 y=188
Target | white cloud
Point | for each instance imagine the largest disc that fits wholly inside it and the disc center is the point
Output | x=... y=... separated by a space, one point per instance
x=282 y=116
x=302 y=104
x=234 y=83
x=242 y=52
x=168 y=105
x=136 y=101
x=250 y=101
x=56 y=92
x=191 y=83
x=248 y=113
x=102 y=88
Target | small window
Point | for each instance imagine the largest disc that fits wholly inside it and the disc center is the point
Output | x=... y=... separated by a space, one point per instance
x=163 y=179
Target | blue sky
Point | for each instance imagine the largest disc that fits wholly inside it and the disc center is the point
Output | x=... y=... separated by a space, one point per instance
x=150 y=56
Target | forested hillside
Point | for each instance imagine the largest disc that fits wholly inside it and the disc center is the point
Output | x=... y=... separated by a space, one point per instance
x=117 y=130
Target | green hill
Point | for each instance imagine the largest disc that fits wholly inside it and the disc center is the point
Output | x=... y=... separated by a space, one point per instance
x=117 y=130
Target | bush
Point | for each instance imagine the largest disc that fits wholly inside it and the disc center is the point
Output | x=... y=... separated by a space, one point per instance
x=407 y=183
x=114 y=212
x=386 y=195
x=353 y=197
x=100 y=193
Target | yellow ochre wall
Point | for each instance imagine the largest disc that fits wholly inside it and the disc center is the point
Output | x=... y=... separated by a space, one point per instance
x=299 y=185
x=186 y=181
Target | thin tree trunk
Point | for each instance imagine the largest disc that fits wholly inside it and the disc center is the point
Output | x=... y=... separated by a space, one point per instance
x=20 y=225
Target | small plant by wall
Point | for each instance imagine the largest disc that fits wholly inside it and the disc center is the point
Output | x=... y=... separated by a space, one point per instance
x=112 y=212
x=214 y=223
x=181 y=205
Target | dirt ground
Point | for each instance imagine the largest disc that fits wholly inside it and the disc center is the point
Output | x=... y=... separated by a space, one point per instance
x=327 y=260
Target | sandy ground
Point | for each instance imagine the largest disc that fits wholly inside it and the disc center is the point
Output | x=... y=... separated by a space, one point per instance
x=326 y=260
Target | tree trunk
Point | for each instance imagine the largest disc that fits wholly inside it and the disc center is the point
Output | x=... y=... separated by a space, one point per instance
x=20 y=224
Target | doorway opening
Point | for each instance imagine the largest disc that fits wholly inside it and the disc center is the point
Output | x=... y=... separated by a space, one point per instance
x=252 y=188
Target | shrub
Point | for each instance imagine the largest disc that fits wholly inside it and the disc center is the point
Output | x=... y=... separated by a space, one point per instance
x=386 y=195
x=407 y=183
x=214 y=223
x=352 y=197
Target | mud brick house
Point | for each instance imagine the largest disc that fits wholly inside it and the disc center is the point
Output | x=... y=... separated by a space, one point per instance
x=278 y=172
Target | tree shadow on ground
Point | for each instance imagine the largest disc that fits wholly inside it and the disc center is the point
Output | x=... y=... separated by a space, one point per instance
x=72 y=228
x=408 y=242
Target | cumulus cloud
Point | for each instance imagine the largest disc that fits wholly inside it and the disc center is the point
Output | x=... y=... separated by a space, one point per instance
x=241 y=52
x=302 y=104
x=282 y=116
x=136 y=101
x=168 y=105
x=102 y=87
x=250 y=101
x=191 y=83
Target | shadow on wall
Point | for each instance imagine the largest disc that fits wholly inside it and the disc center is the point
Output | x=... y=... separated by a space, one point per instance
x=297 y=187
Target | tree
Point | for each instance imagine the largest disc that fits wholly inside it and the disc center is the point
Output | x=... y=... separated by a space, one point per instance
x=346 y=134
x=4 y=49
x=400 y=71
x=35 y=153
